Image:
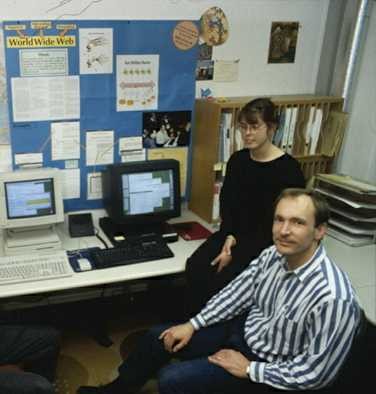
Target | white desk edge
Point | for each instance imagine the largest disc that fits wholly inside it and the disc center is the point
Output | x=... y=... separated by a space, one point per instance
x=181 y=249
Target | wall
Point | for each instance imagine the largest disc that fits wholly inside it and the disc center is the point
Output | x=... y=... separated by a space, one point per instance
x=250 y=22
x=358 y=153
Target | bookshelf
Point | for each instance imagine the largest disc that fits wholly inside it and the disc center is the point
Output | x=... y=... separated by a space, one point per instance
x=311 y=129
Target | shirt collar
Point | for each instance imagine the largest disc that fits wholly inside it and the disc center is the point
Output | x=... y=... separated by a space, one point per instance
x=304 y=272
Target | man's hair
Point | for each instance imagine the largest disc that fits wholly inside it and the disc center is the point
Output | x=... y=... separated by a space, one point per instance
x=320 y=205
x=259 y=109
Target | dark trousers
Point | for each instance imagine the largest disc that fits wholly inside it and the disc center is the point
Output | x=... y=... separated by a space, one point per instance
x=193 y=373
x=36 y=350
x=203 y=280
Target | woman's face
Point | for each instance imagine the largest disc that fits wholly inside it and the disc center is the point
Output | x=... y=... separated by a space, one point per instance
x=254 y=135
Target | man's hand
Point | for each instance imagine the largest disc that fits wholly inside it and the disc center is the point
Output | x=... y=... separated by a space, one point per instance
x=232 y=361
x=176 y=337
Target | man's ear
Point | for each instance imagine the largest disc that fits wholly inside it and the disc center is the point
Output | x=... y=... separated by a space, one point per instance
x=320 y=231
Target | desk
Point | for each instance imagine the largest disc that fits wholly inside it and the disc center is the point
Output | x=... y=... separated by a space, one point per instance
x=181 y=249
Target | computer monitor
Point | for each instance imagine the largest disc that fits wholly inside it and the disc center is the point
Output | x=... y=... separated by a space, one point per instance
x=141 y=195
x=31 y=204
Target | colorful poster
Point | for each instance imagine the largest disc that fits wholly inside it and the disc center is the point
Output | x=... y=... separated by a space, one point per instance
x=137 y=82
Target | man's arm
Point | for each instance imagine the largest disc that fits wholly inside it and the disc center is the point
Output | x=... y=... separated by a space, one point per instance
x=235 y=298
x=328 y=341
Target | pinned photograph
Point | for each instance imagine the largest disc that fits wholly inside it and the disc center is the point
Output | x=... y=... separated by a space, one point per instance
x=166 y=129
x=204 y=70
x=214 y=28
x=283 y=41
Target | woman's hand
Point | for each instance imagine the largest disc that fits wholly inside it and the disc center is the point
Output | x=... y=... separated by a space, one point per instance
x=224 y=258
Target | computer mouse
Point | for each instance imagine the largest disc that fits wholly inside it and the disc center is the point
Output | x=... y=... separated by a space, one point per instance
x=84 y=264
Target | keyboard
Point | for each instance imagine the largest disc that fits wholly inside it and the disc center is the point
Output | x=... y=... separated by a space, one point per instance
x=32 y=267
x=131 y=252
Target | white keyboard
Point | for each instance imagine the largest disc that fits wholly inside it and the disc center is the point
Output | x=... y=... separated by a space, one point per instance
x=26 y=268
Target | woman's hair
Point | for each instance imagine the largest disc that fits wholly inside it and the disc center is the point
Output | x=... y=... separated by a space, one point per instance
x=259 y=109
x=321 y=206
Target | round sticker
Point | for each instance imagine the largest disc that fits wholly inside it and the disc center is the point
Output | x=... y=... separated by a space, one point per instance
x=185 y=35
x=214 y=26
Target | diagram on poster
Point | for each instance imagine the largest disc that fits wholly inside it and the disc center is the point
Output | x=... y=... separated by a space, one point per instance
x=96 y=51
x=137 y=82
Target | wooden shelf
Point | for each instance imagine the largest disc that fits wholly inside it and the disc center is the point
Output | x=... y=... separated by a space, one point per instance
x=206 y=144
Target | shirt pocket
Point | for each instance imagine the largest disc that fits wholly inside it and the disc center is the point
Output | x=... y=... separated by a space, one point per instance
x=285 y=334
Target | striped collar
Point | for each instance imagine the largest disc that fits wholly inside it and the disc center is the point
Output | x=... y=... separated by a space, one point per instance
x=308 y=268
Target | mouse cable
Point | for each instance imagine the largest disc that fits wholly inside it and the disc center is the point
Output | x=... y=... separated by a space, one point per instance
x=100 y=238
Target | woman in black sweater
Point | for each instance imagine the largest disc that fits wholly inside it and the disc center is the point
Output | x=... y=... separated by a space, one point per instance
x=254 y=178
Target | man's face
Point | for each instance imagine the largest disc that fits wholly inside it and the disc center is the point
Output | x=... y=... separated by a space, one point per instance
x=294 y=233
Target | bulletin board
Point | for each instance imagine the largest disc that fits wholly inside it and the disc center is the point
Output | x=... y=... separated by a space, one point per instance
x=79 y=89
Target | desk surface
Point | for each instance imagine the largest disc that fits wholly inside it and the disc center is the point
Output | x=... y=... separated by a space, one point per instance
x=181 y=249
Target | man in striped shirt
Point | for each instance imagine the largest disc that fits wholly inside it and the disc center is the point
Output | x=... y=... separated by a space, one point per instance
x=286 y=322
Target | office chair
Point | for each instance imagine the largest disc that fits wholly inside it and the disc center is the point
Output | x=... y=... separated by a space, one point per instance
x=356 y=371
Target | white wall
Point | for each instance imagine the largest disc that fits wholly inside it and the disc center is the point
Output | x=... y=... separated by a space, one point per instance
x=358 y=154
x=250 y=22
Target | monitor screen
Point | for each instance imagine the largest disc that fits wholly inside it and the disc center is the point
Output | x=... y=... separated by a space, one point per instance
x=147 y=192
x=142 y=192
x=31 y=197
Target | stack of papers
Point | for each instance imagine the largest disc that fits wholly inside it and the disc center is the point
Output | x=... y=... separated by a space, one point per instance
x=352 y=205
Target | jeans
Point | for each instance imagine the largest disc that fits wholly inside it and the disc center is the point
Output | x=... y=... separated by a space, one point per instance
x=24 y=383
x=36 y=350
x=193 y=373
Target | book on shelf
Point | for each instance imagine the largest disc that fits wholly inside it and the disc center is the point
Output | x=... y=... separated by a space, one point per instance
x=308 y=130
x=217 y=191
x=315 y=128
x=219 y=171
x=332 y=135
x=278 y=135
x=238 y=140
x=291 y=127
x=286 y=128
x=225 y=136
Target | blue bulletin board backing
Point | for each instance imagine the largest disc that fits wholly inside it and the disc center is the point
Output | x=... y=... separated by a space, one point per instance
x=97 y=91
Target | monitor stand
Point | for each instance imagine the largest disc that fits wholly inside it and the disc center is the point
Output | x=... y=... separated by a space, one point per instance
x=117 y=233
x=37 y=239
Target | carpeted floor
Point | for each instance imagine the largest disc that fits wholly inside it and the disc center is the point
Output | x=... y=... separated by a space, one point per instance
x=85 y=362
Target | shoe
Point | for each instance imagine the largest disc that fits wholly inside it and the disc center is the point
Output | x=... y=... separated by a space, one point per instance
x=90 y=390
